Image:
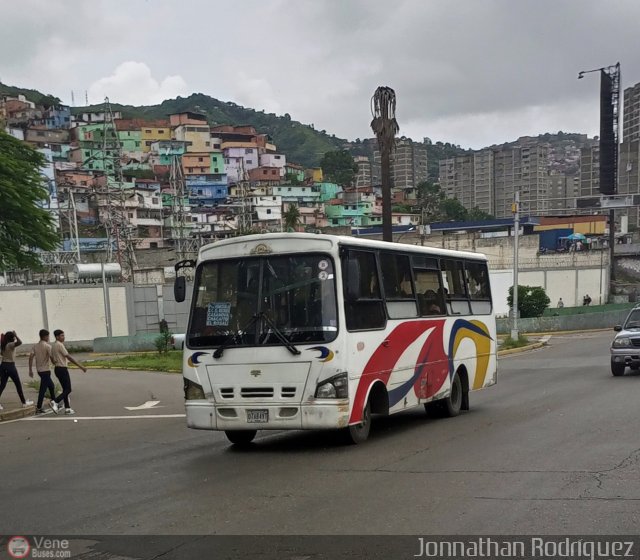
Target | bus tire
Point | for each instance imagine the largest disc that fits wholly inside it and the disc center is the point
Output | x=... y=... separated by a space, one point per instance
x=617 y=369
x=240 y=437
x=359 y=433
x=449 y=406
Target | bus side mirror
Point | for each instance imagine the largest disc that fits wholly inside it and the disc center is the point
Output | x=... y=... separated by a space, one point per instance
x=180 y=289
x=353 y=280
x=617 y=328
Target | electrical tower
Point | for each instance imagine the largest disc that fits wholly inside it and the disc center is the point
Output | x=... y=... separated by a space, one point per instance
x=116 y=221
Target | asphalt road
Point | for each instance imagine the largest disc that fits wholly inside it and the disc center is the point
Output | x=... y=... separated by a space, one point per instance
x=552 y=449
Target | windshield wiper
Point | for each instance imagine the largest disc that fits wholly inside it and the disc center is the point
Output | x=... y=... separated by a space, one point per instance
x=276 y=331
x=225 y=343
x=279 y=334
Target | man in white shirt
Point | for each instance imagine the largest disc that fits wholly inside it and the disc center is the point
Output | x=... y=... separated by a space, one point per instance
x=61 y=358
x=41 y=353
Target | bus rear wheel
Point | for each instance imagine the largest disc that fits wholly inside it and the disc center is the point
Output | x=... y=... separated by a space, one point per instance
x=449 y=406
x=359 y=433
x=240 y=437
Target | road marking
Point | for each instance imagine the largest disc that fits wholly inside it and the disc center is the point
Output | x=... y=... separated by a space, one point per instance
x=130 y=417
x=147 y=405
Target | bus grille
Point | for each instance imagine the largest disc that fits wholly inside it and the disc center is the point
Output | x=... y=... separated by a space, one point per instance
x=288 y=392
x=256 y=392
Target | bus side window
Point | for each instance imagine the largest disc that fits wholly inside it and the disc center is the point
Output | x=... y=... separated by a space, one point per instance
x=364 y=308
x=398 y=285
x=454 y=287
x=430 y=295
x=477 y=277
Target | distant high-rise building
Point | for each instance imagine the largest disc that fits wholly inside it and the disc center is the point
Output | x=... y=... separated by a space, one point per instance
x=590 y=171
x=363 y=176
x=523 y=169
x=631 y=118
x=408 y=165
x=469 y=178
x=563 y=190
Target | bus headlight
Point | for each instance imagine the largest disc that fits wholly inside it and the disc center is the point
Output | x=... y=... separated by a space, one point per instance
x=193 y=391
x=336 y=387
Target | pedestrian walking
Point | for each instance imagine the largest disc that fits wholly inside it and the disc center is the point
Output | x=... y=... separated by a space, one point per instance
x=8 y=370
x=41 y=354
x=560 y=303
x=61 y=358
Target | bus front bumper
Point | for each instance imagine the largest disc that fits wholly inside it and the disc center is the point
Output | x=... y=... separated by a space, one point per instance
x=325 y=414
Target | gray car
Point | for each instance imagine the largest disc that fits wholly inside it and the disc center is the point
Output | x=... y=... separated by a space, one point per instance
x=625 y=348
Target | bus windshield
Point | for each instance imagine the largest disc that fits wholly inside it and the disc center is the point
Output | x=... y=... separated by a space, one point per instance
x=246 y=301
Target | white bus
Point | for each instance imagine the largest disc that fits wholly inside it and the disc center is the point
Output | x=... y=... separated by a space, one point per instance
x=306 y=331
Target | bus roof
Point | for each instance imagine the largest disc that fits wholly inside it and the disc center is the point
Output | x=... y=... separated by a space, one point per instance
x=341 y=240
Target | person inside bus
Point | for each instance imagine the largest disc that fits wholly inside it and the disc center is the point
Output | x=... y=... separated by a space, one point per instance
x=430 y=304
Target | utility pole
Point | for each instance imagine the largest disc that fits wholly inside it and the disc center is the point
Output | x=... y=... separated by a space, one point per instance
x=516 y=235
x=385 y=126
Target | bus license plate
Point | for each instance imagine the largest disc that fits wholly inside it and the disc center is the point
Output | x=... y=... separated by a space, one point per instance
x=257 y=416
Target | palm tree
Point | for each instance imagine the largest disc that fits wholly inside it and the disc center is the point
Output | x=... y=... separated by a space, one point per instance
x=291 y=217
x=385 y=126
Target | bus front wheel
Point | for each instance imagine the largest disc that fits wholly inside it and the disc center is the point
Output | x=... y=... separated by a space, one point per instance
x=359 y=433
x=240 y=437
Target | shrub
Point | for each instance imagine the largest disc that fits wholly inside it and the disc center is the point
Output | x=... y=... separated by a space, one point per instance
x=532 y=301
x=163 y=342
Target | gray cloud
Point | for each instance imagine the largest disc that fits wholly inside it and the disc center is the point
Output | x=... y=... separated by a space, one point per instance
x=469 y=72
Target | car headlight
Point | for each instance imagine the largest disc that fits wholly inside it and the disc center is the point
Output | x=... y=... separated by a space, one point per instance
x=621 y=342
x=336 y=387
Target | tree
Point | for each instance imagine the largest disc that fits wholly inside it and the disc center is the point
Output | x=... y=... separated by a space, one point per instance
x=430 y=197
x=532 y=300
x=477 y=215
x=338 y=166
x=452 y=210
x=25 y=227
x=291 y=217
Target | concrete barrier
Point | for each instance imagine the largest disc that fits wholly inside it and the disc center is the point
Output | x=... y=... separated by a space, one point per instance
x=582 y=322
x=143 y=342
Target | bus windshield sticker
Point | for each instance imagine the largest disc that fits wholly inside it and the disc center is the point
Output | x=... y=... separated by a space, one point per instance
x=323 y=265
x=218 y=314
x=322 y=275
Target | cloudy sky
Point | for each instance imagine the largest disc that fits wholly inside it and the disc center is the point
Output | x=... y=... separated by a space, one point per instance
x=472 y=72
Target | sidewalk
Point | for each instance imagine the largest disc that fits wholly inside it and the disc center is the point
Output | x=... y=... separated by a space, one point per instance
x=12 y=407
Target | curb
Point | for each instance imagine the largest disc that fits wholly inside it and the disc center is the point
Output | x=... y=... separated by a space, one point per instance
x=561 y=333
x=534 y=346
x=17 y=413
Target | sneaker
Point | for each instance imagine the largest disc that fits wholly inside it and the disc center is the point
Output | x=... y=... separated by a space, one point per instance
x=54 y=406
x=40 y=411
x=69 y=411
x=27 y=404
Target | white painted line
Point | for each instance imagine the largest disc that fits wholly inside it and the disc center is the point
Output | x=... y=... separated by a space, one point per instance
x=131 y=417
x=148 y=404
x=545 y=339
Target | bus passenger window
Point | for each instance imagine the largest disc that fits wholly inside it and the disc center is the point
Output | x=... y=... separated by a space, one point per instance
x=477 y=277
x=398 y=285
x=430 y=294
x=454 y=287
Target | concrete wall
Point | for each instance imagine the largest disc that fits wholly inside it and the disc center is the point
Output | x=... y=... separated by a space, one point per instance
x=79 y=310
x=580 y=322
x=570 y=284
